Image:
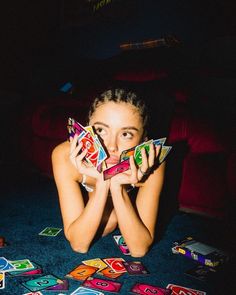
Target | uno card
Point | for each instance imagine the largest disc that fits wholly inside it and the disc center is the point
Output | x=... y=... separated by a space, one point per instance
x=82 y=272
x=35 y=270
x=201 y=272
x=159 y=141
x=50 y=231
x=127 y=153
x=135 y=268
x=116 y=264
x=22 y=265
x=118 y=168
x=137 y=152
x=96 y=262
x=104 y=285
x=119 y=240
x=92 y=151
x=75 y=127
x=2 y=280
x=164 y=152
x=145 y=289
x=5 y=265
x=41 y=283
x=86 y=291
x=63 y=285
x=179 y=290
x=109 y=273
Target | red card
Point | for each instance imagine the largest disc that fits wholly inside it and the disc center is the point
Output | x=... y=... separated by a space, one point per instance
x=116 y=264
x=180 y=290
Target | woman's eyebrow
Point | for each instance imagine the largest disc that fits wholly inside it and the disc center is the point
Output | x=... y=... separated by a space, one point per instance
x=123 y=128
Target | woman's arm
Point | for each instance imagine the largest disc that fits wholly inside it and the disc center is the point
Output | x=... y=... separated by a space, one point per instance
x=81 y=222
x=137 y=225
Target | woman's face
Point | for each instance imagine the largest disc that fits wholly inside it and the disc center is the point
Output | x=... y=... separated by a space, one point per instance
x=120 y=127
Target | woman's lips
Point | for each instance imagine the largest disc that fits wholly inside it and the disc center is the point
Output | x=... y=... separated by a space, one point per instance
x=112 y=160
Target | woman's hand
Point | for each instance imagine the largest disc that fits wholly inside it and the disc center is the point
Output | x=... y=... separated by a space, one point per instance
x=78 y=159
x=136 y=174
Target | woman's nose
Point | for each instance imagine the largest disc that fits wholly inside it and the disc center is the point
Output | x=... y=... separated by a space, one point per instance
x=112 y=144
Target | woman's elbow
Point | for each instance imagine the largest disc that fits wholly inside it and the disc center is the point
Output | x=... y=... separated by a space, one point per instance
x=139 y=252
x=76 y=247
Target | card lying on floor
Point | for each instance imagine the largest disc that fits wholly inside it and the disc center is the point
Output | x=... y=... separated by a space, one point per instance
x=135 y=268
x=2 y=280
x=5 y=265
x=104 y=285
x=50 y=231
x=108 y=272
x=82 y=272
x=36 y=270
x=86 y=291
x=146 y=289
x=201 y=272
x=120 y=242
x=41 y=283
x=96 y=262
x=116 y=264
x=180 y=290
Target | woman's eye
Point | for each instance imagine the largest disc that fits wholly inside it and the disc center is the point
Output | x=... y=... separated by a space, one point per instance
x=127 y=135
x=100 y=131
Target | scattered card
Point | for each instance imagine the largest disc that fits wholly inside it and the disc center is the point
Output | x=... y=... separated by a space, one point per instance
x=96 y=262
x=36 y=270
x=2 y=280
x=201 y=272
x=135 y=268
x=33 y=293
x=116 y=264
x=179 y=290
x=50 y=231
x=86 y=291
x=5 y=265
x=104 y=285
x=41 y=283
x=120 y=242
x=109 y=273
x=146 y=289
x=82 y=272
x=63 y=285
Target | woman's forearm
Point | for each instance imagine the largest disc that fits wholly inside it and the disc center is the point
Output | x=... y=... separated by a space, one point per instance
x=82 y=231
x=135 y=233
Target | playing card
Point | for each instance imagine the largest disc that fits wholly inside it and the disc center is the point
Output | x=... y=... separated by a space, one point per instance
x=159 y=141
x=96 y=262
x=62 y=285
x=118 y=168
x=127 y=153
x=41 y=283
x=201 y=272
x=22 y=265
x=137 y=152
x=146 y=289
x=135 y=268
x=180 y=290
x=92 y=151
x=119 y=240
x=86 y=291
x=75 y=127
x=5 y=265
x=2 y=280
x=81 y=272
x=164 y=152
x=35 y=270
x=109 y=273
x=101 y=284
x=50 y=231
x=116 y=264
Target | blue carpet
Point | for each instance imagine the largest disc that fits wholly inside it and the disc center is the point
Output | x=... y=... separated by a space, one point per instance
x=26 y=209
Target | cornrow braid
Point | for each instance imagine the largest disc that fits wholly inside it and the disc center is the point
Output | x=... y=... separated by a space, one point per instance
x=121 y=95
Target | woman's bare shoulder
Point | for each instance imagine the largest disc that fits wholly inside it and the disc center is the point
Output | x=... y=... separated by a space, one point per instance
x=61 y=151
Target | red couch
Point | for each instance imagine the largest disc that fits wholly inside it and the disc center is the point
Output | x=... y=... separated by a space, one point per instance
x=207 y=158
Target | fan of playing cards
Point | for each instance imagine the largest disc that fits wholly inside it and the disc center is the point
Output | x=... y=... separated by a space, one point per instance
x=96 y=153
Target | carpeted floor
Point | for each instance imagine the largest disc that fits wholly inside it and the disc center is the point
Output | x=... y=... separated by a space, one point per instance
x=29 y=204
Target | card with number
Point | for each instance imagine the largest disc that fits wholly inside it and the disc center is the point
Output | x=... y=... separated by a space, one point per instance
x=146 y=289
x=120 y=242
x=135 y=268
x=108 y=272
x=178 y=290
x=5 y=265
x=41 y=283
x=82 y=272
x=137 y=152
x=2 y=280
x=36 y=270
x=101 y=284
x=86 y=291
x=118 y=168
x=96 y=262
x=34 y=293
x=50 y=231
x=116 y=264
